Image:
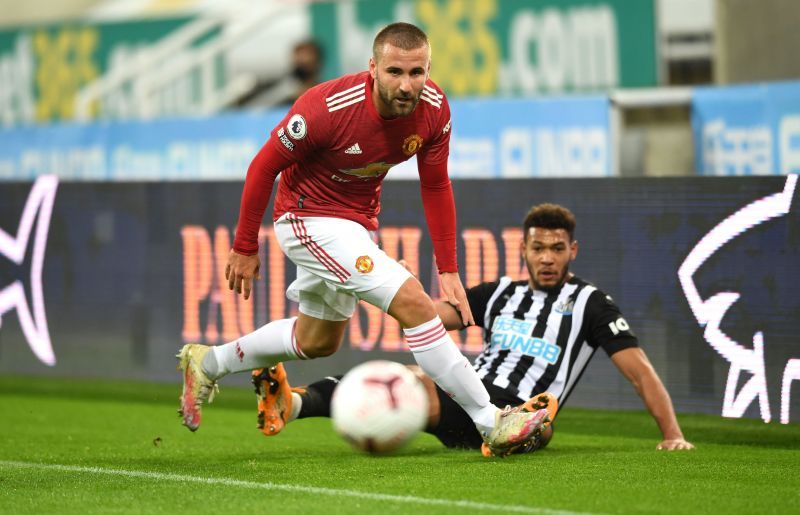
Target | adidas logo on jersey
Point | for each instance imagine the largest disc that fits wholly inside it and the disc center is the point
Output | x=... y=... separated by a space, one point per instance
x=355 y=149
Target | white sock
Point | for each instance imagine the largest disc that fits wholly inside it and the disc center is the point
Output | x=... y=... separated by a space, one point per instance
x=267 y=345
x=439 y=357
x=297 y=403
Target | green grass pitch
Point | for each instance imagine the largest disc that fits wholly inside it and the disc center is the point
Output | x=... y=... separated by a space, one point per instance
x=118 y=447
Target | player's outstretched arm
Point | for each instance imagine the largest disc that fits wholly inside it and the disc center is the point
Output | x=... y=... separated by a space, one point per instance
x=635 y=366
x=440 y=214
x=243 y=263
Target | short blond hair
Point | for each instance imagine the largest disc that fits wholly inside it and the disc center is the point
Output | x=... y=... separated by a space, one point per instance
x=400 y=34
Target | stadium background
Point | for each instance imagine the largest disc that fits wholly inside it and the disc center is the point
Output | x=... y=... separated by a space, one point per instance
x=628 y=113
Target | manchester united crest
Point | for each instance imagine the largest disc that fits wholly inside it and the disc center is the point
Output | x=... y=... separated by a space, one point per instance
x=411 y=144
x=364 y=264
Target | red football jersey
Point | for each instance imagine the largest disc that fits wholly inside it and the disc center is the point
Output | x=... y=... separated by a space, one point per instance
x=342 y=149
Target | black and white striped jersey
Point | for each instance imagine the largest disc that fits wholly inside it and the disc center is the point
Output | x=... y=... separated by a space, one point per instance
x=538 y=341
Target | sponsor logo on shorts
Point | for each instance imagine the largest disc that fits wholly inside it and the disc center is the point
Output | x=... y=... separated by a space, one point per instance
x=411 y=144
x=364 y=264
x=297 y=127
x=286 y=143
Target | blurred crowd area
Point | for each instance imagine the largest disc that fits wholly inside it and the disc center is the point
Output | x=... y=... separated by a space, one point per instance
x=149 y=59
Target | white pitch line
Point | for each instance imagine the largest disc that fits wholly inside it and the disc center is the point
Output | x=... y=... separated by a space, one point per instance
x=334 y=492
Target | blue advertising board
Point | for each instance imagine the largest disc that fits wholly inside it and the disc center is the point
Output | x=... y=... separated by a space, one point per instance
x=491 y=138
x=214 y=148
x=747 y=130
x=546 y=137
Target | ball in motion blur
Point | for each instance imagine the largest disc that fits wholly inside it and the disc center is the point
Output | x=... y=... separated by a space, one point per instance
x=379 y=406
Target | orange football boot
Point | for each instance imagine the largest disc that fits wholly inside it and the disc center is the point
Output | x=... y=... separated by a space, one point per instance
x=274 y=398
x=545 y=400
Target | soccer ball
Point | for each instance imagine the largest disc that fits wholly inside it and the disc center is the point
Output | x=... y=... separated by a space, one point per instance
x=379 y=406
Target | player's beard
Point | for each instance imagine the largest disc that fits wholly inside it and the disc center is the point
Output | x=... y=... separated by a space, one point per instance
x=548 y=288
x=397 y=110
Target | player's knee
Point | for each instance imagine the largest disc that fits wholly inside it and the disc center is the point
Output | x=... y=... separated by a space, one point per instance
x=411 y=306
x=319 y=344
x=318 y=338
x=318 y=348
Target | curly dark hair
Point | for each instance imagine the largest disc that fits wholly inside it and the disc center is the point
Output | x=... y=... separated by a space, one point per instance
x=550 y=216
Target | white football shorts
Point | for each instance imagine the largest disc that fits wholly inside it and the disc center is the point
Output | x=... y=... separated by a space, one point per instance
x=338 y=263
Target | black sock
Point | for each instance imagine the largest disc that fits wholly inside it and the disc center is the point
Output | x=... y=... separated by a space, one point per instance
x=317 y=399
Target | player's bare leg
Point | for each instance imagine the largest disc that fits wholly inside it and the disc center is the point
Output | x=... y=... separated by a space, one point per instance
x=318 y=338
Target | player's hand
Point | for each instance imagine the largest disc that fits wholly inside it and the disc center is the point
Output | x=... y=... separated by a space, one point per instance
x=240 y=272
x=453 y=292
x=675 y=444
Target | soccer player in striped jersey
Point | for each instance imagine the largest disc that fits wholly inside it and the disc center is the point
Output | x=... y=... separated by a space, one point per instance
x=540 y=334
x=332 y=151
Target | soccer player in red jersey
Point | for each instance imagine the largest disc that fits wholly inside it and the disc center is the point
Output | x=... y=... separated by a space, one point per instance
x=332 y=151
